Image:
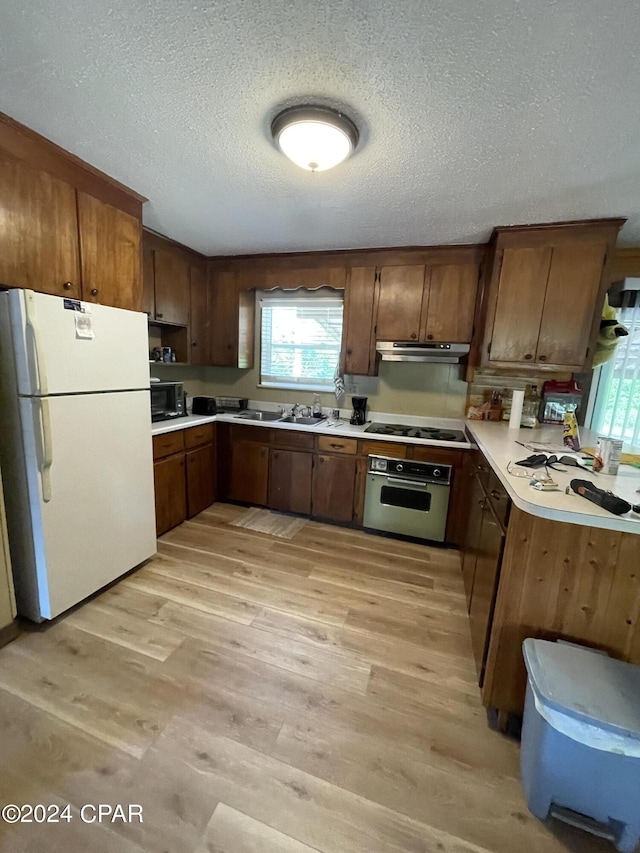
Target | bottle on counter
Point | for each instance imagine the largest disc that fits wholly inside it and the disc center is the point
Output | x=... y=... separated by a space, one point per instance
x=530 y=407
x=316 y=409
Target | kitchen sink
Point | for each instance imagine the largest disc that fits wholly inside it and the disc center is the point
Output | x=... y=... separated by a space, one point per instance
x=253 y=415
x=302 y=421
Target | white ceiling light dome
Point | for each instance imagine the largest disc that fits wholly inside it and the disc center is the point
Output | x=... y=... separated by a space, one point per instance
x=314 y=138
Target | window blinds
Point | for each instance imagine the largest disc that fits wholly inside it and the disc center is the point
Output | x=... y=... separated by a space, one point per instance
x=301 y=335
x=617 y=410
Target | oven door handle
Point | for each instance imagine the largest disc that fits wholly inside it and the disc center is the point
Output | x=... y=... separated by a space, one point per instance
x=403 y=482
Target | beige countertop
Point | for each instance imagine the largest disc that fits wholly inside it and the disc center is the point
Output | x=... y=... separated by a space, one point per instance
x=498 y=443
x=342 y=428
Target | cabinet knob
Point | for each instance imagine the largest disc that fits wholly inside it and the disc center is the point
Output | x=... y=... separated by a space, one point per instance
x=542 y=358
x=94 y=291
x=496 y=494
x=528 y=357
x=429 y=337
x=349 y=352
x=413 y=335
x=67 y=285
x=159 y=316
x=194 y=343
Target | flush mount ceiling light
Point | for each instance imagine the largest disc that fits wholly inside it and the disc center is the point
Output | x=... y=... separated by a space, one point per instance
x=315 y=138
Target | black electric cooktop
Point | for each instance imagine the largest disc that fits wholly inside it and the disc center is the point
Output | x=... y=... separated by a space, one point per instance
x=400 y=430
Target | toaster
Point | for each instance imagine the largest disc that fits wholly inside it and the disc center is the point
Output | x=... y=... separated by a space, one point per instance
x=204 y=406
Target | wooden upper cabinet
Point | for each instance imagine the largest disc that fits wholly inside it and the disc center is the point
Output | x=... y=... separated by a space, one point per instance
x=358 y=344
x=232 y=319
x=172 y=285
x=148 y=278
x=200 y=312
x=521 y=292
x=570 y=299
x=110 y=253
x=39 y=235
x=224 y=316
x=399 y=303
x=65 y=228
x=449 y=303
x=546 y=288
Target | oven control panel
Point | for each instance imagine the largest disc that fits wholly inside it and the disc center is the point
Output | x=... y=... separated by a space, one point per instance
x=426 y=472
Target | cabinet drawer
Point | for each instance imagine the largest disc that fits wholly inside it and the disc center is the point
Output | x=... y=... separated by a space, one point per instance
x=383 y=448
x=170 y=442
x=437 y=455
x=329 y=444
x=289 y=438
x=250 y=433
x=498 y=498
x=195 y=436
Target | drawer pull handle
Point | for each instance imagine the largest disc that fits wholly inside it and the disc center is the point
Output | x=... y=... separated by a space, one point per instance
x=337 y=446
x=496 y=494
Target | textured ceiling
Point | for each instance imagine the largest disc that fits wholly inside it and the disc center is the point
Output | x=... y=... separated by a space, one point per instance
x=472 y=113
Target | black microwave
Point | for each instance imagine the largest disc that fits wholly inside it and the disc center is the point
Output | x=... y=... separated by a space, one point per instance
x=167 y=401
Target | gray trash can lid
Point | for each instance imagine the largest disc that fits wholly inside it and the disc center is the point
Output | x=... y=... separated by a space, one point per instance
x=588 y=686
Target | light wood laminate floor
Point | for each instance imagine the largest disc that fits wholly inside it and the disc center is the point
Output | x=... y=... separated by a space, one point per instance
x=256 y=694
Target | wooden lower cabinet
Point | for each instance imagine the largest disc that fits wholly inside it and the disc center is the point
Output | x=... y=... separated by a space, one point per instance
x=290 y=481
x=249 y=472
x=490 y=545
x=201 y=491
x=171 y=495
x=333 y=487
x=185 y=474
x=475 y=508
x=560 y=581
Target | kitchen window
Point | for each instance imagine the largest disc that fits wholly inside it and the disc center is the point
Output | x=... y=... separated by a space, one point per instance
x=300 y=338
x=616 y=411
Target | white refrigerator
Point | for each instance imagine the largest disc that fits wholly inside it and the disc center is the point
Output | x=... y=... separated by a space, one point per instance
x=75 y=447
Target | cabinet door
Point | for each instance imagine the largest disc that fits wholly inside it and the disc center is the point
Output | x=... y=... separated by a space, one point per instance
x=148 y=278
x=521 y=293
x=199 y=326
x=451 y=303
x=224 y=316
x=172 y=286
x=290 y=481
x=358 y=346
x=485 y=586
x=171 y=493
x=200 y=479
x=249 y=472
x=333 y=487
x=39 y=234
x=569 y=305
x=472 y=536
x=111 y=254
x=399 y=303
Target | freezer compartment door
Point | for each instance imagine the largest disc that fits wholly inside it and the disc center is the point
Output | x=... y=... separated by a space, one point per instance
x=92 y=505
x=63 y=346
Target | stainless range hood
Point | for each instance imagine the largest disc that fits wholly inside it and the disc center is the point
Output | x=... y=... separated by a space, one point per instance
x=441 y=353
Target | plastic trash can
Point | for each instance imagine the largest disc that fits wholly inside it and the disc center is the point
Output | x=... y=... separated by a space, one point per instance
x=580 y=747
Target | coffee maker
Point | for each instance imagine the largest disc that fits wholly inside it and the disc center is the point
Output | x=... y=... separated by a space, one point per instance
x=359 y=415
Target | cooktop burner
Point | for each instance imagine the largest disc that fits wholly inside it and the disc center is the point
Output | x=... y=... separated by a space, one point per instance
x=434 y=433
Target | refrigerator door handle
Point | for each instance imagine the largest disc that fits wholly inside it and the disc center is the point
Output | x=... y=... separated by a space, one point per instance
x=46 y=449
x=32 y=323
